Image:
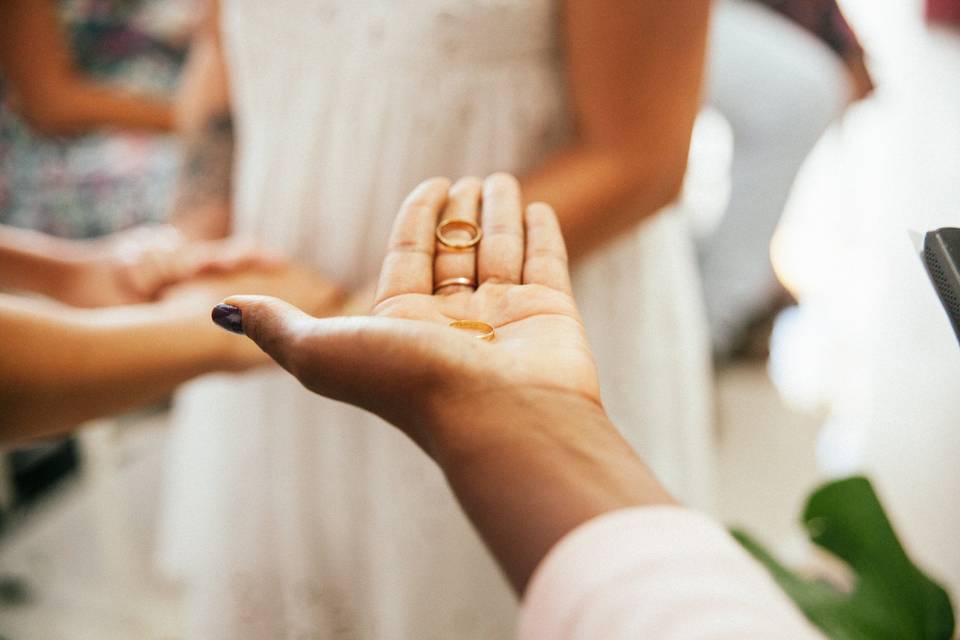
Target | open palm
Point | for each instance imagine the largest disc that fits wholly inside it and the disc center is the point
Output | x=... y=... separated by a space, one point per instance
x=405 y=353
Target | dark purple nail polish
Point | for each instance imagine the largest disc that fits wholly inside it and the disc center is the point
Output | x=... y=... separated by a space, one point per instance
x=229 y=317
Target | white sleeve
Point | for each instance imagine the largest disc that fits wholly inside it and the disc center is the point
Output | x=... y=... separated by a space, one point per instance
x=655 y=572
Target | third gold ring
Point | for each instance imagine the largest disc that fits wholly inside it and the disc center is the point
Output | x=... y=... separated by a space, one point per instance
x=454 y=282
x=458 y=244
x=483 y=330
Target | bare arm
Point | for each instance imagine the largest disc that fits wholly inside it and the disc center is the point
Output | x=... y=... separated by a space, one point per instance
x=32 y=261
x=205 y=126
x=548 y=462
x=52 y=95
x=634 y=72
x=60 y=366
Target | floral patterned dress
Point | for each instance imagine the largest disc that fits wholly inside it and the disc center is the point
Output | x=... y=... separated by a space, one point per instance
x=92 y=184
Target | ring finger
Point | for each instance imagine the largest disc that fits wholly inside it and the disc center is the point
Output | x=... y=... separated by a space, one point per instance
x=456 y=271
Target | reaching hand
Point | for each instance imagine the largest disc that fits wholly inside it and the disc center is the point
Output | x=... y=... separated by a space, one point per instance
x=135 y=265
x=405 y=360
x=302 y=287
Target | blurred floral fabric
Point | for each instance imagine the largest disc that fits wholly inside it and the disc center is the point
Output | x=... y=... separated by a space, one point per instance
x=92 y=184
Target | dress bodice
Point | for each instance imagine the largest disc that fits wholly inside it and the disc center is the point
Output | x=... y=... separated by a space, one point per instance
x=343 y=106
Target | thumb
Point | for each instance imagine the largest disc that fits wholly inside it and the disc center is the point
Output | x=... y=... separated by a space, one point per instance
x=271 y=323
x=388 y=366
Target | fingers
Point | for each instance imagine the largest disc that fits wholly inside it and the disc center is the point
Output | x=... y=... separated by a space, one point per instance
x=150 y=271
x=463 y=203
x=148 y=258
x=271 y=323
x=408 y=267
x=500 y=253
x=228 y=256
x=546 y=254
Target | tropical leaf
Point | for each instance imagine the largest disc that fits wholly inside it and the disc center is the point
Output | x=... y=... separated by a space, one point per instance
x=891 y=599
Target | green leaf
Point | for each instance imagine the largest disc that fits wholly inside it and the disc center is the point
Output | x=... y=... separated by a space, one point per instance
x=892 y=599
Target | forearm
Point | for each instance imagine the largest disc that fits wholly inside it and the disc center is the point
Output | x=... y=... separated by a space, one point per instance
x=204 y=123
x=78 y=105
x=61 y=366
x=633 y=74
x=32 y=261
x=529 y=467
x=51 y=94
x=202 y=205
x=599 y=193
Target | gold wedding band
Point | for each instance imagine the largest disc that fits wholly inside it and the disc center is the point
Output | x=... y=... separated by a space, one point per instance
x=455 y=244
x=454 y=282
x=485 y=331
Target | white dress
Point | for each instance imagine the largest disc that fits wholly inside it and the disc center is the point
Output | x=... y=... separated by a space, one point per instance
x=290 y=516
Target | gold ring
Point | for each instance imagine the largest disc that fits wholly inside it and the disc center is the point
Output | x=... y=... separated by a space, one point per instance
x=485 y=331
x=454 y=282
x=455 y=244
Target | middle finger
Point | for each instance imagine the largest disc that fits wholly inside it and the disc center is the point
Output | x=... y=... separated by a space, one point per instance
x=463 y=203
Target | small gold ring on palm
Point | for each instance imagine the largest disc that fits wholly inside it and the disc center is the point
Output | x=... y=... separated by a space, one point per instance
x=483 y=330
x=459 y=244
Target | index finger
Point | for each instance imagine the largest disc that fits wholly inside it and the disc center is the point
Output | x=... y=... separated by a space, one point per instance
x=408 y=266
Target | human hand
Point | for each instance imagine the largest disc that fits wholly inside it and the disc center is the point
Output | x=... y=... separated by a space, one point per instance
x=405 y=362
x=135 y=265
x=301 y=286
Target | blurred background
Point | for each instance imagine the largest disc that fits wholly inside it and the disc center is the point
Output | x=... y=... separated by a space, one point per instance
x=847 y=365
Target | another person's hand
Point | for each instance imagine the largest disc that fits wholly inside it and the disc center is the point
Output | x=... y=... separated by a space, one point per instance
x=302 y=287
x=134 y=266
x=406 y=363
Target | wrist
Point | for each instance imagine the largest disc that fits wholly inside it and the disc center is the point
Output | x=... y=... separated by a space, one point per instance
x=60 y=263
x=462 y=423
x=212 y=348
x=529 y=466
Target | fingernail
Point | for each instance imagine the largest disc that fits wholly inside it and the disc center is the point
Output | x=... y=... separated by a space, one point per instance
x=229 y=317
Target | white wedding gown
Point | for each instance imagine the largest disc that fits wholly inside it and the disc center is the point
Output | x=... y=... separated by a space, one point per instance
x=290 y=516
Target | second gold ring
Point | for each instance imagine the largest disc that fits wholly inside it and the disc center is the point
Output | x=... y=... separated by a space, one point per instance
x=459 y=244
x=454 y=282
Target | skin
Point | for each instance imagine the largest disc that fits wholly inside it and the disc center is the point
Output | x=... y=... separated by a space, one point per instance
x=123 y=268
x=50 y=93
x=61 y=366
x=634 y=72
x=205 y=127
x=516 y=424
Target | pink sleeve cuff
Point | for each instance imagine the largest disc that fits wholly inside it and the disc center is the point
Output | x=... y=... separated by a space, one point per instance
x=658 y=572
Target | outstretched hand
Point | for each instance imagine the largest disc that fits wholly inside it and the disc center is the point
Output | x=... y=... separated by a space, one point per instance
x=404 y=361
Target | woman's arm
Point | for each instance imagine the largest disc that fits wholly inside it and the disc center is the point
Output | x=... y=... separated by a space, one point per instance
x=634 y=71
x=126 y=267
x=549 y=461
x=205 y=126
x=52 y=95
x=32 y=261
x=60 y=366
